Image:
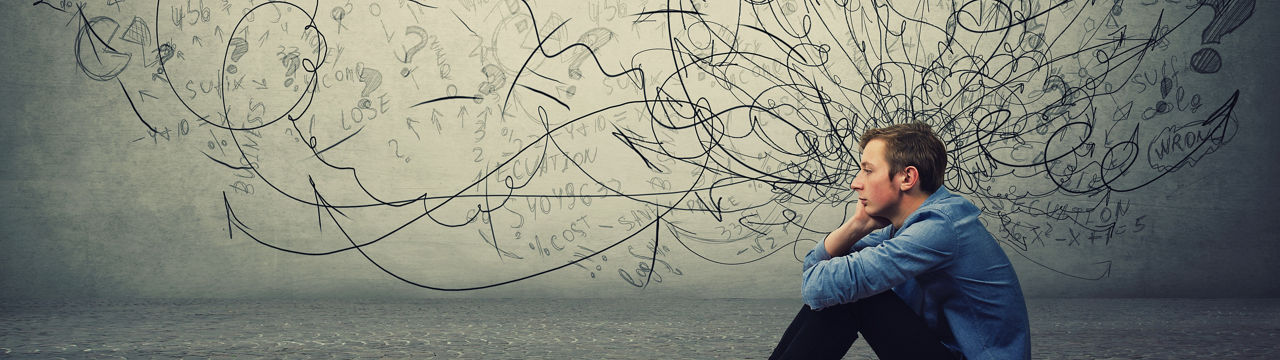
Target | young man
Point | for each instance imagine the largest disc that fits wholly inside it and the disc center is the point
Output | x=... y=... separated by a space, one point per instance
x=913 y=270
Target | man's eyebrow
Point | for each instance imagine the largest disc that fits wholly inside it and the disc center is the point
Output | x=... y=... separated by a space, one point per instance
x=865 y=164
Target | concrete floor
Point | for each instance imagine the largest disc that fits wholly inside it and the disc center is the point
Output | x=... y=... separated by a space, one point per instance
x=633 y=328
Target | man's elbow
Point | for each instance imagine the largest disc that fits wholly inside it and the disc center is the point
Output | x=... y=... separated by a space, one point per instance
x=811 y=289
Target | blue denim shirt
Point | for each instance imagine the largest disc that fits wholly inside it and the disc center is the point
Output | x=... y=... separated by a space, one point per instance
x=945 y=265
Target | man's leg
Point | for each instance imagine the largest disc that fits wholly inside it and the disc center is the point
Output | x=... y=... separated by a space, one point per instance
x=825 y=334
x=892 y=330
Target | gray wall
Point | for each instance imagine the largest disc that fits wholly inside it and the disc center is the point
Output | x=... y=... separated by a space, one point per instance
x=1158 y=184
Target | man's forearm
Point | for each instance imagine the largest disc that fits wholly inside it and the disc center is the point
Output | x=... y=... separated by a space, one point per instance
x=839 y=242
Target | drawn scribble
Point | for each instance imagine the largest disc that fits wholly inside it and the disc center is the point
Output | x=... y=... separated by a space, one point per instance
x=610 y=137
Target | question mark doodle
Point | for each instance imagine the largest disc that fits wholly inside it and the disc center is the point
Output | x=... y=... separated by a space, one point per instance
x=594 y=39
x=395 y=146
x=372 y=79
x=408 y=54
x=1227 y=16
x=494 y=79
x=239 y=47
x=165 y=52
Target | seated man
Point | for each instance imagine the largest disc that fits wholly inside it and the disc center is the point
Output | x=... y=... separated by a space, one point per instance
x=913 y=270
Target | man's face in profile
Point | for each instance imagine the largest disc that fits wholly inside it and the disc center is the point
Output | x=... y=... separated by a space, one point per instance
x=876 y=189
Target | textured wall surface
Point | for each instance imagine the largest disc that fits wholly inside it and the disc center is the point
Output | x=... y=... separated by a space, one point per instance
x=236 y=149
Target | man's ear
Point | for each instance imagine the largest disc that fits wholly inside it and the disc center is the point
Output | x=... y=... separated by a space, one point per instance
x=908 y=178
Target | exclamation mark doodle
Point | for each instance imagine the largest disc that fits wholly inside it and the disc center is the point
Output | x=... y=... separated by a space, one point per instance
x=1227 y=16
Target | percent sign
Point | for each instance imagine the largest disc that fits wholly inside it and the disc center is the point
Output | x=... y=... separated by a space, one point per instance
x=215 y=143
x=589 y=251
x=511 y=139
x=539 y=248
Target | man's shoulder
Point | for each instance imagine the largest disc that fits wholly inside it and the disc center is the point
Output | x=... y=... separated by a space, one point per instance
x=950 y=204
x=951 y=209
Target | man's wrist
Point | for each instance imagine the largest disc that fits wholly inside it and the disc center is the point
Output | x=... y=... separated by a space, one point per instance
x=840 y=241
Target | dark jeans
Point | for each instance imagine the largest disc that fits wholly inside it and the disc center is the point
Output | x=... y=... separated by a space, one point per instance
x=892 y=329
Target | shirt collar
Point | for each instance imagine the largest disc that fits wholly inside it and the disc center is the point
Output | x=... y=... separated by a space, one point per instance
x=936 y=196
x=942 y=193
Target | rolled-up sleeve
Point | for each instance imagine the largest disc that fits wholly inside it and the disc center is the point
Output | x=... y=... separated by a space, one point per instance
x=818 y=254
x=921 y=245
